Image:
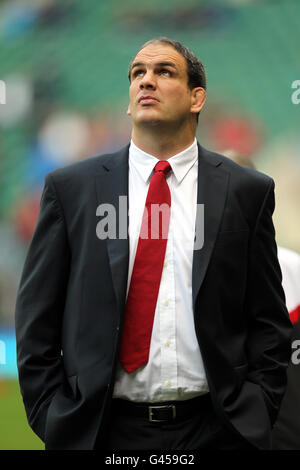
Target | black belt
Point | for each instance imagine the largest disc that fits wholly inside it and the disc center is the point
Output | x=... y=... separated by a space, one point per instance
x=162 y=412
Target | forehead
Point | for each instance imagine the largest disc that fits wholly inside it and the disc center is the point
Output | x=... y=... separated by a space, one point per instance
x=155 y=53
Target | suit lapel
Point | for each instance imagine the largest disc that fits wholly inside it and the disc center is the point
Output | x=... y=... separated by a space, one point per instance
x=111 y=183
x=212 y=190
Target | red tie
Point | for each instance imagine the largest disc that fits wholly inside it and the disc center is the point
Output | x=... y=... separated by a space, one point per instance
x=146 y=273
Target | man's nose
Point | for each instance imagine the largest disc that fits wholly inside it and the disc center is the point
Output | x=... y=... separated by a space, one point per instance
x=148 y=81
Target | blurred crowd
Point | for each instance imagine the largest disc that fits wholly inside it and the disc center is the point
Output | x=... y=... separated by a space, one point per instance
x=47 y=49
x=40 y=130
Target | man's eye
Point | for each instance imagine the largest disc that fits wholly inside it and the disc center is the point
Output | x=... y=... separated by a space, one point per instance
x=165 y=72
x=138 y=73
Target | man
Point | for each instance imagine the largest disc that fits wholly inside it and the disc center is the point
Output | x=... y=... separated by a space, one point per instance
x=210 y=371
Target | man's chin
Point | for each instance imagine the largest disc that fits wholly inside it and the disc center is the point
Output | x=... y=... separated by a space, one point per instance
x=149 y=121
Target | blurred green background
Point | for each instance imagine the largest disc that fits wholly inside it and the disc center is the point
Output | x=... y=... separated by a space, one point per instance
x=64 y=65
x=15 y=433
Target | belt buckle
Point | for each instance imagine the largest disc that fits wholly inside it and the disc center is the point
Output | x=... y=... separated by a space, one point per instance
x=151 y=408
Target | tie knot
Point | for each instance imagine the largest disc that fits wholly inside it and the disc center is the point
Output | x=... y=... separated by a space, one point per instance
x=163 y=166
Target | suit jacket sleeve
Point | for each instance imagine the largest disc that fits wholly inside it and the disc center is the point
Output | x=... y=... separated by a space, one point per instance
x=268 y=342
x=39 y=308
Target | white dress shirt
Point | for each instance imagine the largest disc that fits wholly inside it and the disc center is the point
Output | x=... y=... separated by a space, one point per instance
x=175 y=369
x=290 y=267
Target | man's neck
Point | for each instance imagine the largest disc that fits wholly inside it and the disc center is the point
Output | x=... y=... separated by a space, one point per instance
x=162 y=146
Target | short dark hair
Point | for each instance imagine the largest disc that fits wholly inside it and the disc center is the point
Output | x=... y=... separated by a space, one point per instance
x=195 y=68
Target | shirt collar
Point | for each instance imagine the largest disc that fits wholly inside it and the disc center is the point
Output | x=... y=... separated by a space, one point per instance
x=180 y=163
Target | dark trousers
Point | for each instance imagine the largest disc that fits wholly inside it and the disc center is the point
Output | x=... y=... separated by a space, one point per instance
x=202 y=430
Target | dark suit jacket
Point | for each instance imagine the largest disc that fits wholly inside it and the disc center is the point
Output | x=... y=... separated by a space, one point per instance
x=71 y=299
x=286 y=431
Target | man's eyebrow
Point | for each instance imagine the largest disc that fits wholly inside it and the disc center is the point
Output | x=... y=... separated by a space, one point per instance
x=160 y=64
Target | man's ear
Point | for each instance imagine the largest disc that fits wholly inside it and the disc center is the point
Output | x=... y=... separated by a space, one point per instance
x=198 y=99
x=128 y=110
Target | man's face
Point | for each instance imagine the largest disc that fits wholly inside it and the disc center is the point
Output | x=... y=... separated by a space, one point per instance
x=159 y=91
